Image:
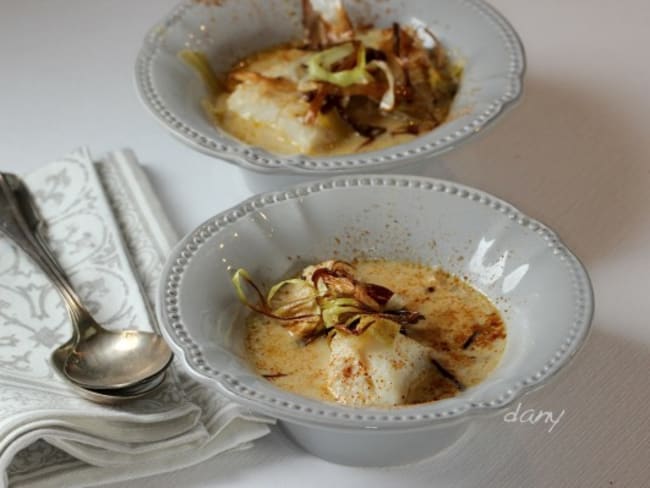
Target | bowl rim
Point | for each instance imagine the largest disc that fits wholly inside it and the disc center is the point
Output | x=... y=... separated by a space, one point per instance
x=220 y=145
x=298 y=409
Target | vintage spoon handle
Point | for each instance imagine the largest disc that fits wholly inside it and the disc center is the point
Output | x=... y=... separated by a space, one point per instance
x=21 y=221
x=32 y=218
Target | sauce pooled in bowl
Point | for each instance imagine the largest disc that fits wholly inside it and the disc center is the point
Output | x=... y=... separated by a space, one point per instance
x=374 y=333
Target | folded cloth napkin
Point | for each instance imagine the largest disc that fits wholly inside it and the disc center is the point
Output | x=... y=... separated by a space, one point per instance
x=110 y=235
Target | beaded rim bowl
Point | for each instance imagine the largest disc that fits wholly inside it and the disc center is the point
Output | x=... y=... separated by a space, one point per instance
x=540 y=287
x=227 y=30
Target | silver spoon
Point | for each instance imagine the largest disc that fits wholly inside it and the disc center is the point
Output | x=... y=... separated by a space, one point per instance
x=107 y=397
x=59 y=357
x=34 y=221
x=94 y=358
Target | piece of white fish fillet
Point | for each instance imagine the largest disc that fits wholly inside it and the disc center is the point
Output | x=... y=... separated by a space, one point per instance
x=265 y=103
x=273 y=101
x=377 y=367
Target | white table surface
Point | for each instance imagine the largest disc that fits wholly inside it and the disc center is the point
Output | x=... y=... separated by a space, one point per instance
x=575 y=153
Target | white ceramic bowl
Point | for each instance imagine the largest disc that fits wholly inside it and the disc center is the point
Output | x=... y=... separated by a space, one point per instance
x=541 y=288
x=227 y=30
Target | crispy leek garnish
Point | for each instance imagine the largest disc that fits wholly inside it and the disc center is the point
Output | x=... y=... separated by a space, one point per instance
x=294 y=310
x=320 y=66
x=387 y=102
x=371 y=78
x=325 y=298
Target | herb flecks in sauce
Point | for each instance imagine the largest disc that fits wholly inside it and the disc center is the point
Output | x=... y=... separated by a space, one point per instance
x=376 y=335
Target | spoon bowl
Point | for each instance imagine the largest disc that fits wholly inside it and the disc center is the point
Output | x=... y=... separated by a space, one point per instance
x=110 y=360
x=105 y=397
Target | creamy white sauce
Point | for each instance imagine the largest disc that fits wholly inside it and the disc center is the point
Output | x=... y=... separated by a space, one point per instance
x=455 y=314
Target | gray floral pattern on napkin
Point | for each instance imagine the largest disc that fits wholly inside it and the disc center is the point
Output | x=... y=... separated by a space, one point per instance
x=112 y=245
x=33 y=319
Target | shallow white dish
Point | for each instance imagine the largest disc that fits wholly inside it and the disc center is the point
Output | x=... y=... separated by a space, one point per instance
x=227 y=30
x=541 y=288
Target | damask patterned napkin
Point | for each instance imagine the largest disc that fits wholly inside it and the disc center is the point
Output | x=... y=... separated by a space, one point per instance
x=108 y=230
